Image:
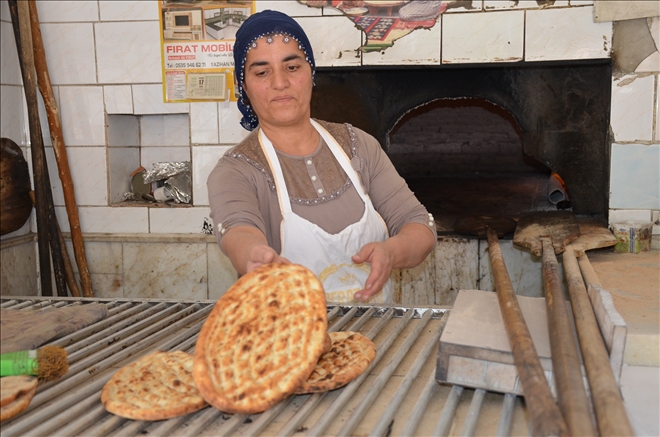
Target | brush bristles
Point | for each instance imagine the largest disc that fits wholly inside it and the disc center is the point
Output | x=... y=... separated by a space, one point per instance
x=52 y=362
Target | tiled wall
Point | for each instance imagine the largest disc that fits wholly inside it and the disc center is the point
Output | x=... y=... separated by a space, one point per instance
x=104 y=62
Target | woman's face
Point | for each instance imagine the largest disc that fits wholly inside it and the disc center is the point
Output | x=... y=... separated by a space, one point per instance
x=278 y=82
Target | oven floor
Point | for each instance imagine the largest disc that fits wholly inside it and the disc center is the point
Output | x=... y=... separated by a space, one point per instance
x=511 y=196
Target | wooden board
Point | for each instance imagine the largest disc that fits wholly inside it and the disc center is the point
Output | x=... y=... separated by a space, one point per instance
x=560 y=226
x=594 y=234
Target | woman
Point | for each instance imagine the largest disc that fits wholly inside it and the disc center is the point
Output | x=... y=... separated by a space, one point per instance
x=305 y=191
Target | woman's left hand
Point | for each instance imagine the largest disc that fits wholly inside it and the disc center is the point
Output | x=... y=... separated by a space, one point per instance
x=382 y=263
x=405 y=250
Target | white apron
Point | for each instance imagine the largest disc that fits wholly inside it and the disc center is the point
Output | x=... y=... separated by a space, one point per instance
x=329 y=255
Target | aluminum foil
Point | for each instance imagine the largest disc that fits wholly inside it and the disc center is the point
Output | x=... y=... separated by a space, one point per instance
x=176 y=177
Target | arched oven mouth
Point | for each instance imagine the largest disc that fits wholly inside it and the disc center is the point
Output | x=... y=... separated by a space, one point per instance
x=485 y=140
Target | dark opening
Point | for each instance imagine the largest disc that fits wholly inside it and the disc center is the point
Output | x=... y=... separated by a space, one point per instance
x=484 y=140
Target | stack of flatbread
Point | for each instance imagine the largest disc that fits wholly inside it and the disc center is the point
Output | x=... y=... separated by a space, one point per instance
x=264 y=340
x=16 y=392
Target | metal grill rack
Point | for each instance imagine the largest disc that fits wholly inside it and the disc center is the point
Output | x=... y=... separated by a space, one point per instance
x=397 y=395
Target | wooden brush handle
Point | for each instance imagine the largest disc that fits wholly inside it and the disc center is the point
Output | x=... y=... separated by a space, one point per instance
x=546 y=417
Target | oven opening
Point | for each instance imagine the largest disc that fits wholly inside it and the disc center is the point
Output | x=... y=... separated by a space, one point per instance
x=464 y=157
x=470 y=140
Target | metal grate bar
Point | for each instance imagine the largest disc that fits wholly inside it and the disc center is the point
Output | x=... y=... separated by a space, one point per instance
x=384 y=376
x=506 y=418
x=447 y=416
x=339 y=403
x=420 y=406
x=388 y=414
x=473 y=413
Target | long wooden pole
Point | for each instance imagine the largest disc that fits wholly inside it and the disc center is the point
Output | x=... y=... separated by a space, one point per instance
x=611 y=415
x=59 y=147
x=571 y=394
x=545 y=415
x=42 y=180
x=20 y=19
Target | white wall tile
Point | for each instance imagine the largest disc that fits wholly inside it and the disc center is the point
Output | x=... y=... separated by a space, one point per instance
x=204 y=159
x=88 y=173
x=581 y=2
x=112 y=220
x=631 y=115
x=204 y=123
x=522 y=4
x=635 y=176
x=335 y=40
x=4 y=11
x=128 y=10
x=67 y=11
x=231 y=131
x=128 y=52
x=566 y=33
x=177 y=220
x=151 y=155
x=222 y=274
x=148 y=99
x=118 y=99
x=148 y=270
x=11 y=108
x=164 y=130
x=629 y=215
x=69 y=51
x=657 y=108
x=82 y=115
x=420 y=47
x=10 y=73
x=122 y=161
x=492 y=37
x=290 y=7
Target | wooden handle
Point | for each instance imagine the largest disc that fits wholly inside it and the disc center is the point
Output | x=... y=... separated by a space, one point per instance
x=20 y=17
x=611 y=415
x=59 y=148
x=546 y=417
x=571 y=393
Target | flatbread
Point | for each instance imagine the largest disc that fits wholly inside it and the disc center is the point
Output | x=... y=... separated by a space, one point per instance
x=350 y=355
x=156 y=387
x=17 y=405
x=12 y=387
x=262 y=339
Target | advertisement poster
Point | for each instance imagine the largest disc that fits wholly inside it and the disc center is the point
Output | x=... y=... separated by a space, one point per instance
x=197 y=42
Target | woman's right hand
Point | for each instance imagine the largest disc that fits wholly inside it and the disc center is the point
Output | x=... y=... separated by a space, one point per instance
x=262 y=254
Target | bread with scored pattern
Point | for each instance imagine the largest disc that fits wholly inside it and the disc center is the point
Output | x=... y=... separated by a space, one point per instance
x=156 y=387
x=350 y=355
x=262 y=339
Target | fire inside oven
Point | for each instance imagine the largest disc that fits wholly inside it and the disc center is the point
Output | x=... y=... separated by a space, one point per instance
x=487 y=140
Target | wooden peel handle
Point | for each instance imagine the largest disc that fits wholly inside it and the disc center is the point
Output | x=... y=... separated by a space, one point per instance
x=571 y=394
x=546 y=418
x=610 y=412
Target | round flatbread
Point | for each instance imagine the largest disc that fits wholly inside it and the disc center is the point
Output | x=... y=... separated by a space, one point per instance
x=262 y=339
x=12 y=387
x=156 y=387
x=17 y=405
x=350 y=355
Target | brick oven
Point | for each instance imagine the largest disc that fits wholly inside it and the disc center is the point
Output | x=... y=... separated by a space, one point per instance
x=484 y=140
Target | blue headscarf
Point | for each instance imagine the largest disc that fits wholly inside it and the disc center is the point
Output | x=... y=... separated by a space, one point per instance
x=257 y=26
